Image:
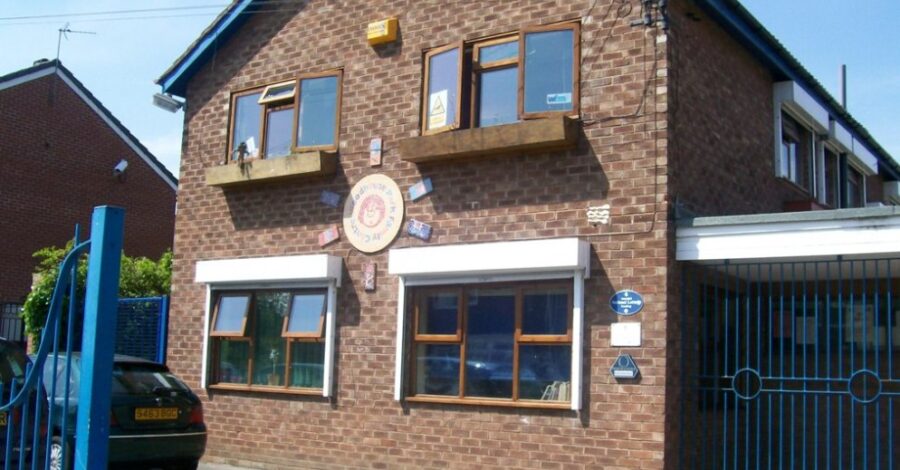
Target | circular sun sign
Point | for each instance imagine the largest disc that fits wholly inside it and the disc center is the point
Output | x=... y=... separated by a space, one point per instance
x=373 y=213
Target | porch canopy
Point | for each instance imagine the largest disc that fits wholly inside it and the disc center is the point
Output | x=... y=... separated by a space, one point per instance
x=864 y=233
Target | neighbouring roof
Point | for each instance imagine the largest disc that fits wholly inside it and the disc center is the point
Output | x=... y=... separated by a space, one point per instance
x=730 y=14
x=51 y=67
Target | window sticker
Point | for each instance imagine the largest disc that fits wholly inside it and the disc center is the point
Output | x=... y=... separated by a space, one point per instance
x=559 y=98
x=252 y=149
x=437 y=109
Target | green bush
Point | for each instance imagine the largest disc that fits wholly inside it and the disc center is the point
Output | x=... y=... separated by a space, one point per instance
x=139 y=277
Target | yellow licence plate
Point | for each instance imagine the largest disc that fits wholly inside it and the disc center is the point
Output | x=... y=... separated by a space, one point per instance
x=155 y=414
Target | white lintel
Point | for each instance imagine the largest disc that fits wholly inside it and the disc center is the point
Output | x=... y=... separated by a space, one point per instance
x=794 y=97
x=515 y=257
x=272 y=269
x=864 y=157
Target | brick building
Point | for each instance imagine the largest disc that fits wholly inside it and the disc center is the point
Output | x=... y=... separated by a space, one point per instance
x=62 y=146
x=575 y=189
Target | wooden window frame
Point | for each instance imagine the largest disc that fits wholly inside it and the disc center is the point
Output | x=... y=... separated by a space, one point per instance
x=520 y=289
x=459 y=87
x=268 y=109
x=320 y=330
x=469 y=70
x=264 y=100
x=478 y=68
x=247 y=337
x=268 y=105
x=575 y=26
x=339 y=74
x=232 y=157
x=232 y=334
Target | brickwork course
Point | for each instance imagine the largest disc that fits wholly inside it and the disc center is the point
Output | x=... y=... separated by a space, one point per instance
x=60 y=156
x=652 y=116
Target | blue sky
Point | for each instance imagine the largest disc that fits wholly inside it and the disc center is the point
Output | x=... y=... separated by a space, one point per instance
x=120 y=62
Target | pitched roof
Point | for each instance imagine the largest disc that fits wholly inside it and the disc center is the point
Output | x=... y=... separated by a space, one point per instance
x=729 y=14
x=174 y=80
x=56 y=67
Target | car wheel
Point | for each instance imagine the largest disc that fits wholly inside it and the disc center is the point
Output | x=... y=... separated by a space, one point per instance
x=57 y=458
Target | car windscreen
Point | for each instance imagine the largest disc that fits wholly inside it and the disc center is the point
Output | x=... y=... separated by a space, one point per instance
x=144 y=378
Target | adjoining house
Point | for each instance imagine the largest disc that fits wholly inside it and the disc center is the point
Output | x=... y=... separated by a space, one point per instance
x=65 y=153
x=549 y=234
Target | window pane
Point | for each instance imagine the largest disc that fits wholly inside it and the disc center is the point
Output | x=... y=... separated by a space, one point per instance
x=832 y=187
x=246 y=125
x=318 y=111
x=306 y=313
x=544 y=372
x=437 y=369
x=268 y=356
x=278 y=132
x=231 y=314
x=546 y=312
x=498 y=100
x=439 y=314
x=233 y=359
x=548 y=71
x=489 y=343
x=307 y=364
x=506 y=50
x=443 y=83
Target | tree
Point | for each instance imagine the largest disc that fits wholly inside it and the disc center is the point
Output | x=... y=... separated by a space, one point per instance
x=140 y=277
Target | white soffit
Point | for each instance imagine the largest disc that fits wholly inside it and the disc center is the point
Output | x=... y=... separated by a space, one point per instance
x=799 y=101
x=874 y=231
x=865 y=157
x=303 y=268
x=517 y=257
x=839 y=135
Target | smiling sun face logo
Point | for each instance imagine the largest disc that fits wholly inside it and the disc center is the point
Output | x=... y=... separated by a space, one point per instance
x=371 y=211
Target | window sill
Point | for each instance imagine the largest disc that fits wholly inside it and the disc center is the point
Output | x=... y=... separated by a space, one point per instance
x=555 y=133
x=267 y=389
x=556 y=405
x=298 y=165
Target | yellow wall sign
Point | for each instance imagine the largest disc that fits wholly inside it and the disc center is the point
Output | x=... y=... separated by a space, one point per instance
x=381 y=32
x=373 y=213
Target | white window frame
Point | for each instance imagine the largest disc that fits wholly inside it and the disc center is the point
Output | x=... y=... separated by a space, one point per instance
x=529 y=260
x=288 y=272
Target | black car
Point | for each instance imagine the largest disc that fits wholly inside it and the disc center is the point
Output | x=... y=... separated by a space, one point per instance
x=156 y=420
x=13 y=365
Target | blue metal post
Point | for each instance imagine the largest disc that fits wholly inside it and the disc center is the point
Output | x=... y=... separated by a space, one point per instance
x=163 y=329
x=101 y=297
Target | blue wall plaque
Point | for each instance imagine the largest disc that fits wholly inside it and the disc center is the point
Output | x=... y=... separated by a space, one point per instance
x=624 y=368
x=626 y=302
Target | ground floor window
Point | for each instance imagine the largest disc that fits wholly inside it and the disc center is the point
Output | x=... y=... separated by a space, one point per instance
x=269 y=338
x=500 y=342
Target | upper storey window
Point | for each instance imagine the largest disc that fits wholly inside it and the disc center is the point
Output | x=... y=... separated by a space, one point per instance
x=797 y=153
x=530 y=74
x=294 y=116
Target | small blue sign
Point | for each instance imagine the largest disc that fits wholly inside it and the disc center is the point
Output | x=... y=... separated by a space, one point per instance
x=418 y=229
x=330 y=199
x=624 y=368
x=420 y=189
x=626 y=302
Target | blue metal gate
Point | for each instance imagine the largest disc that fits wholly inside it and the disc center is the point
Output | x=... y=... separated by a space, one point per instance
x=791 y=365
x=141 y=327
x=27 y=422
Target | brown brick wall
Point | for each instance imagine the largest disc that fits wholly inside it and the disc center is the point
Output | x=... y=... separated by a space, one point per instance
x=59 y=157
x=722 y=125
x=620 y=159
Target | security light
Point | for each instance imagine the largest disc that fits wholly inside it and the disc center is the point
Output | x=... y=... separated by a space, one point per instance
x=167 y=102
